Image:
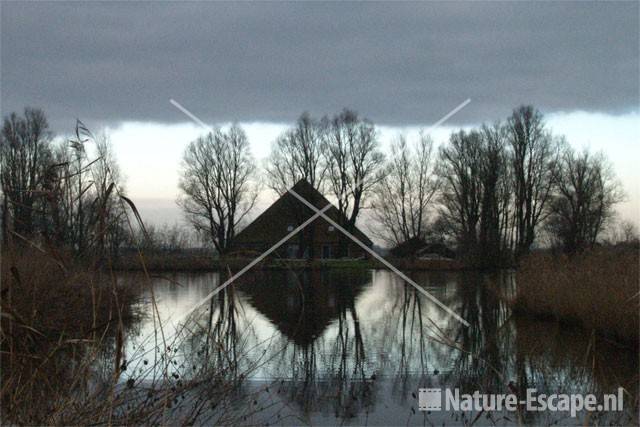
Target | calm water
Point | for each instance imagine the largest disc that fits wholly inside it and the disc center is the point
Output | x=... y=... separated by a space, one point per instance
x=354 y=347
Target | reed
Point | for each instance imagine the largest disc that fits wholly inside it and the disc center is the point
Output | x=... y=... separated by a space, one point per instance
x=597 y=289
x=62 y=341
x=53 y=312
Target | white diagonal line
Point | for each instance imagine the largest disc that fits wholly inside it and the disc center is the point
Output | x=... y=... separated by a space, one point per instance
x=380 y=258
x=257 y=260
x=448 y=116
x=190 y=115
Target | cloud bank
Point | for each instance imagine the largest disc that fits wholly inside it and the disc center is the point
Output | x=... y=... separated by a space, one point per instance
x=399 y=64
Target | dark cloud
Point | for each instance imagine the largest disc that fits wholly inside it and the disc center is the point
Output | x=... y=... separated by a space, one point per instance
x=396 y=63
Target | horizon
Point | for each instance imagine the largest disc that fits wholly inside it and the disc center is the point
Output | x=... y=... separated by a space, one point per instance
x=402 y=66
x=154 y=187
x=155 y=191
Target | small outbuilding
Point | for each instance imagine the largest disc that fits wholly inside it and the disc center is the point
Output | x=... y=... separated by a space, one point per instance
x=417 y=247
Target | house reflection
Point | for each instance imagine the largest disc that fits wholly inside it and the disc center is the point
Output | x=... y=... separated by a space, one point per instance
x=302 y=303
x=315 y=311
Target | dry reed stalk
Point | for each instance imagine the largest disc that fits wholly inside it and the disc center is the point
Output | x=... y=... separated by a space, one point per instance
x=597 y=289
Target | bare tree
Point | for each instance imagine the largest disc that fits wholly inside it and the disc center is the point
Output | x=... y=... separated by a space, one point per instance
x=628 y=232
x=296 y=155
x=460 y=169
x=25 y=155
x=495 y=207
x=354 y=162
x=110 y=215
x=82 y=188
x=69 y=185
x=216 y=180
x=534 y=155
x=587 y=191
x=477 y=194
x=165 y=237
x=402 y=198
x=55 y=190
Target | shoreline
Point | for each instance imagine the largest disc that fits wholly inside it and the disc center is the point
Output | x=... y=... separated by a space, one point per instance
x=181 y=263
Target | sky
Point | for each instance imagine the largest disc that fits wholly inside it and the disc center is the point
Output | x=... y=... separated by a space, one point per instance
x=403 y=65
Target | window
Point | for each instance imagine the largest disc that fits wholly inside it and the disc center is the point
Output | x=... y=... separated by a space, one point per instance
x=290 y=228
x=326 y=251
x=292 y=251
x=331 y=228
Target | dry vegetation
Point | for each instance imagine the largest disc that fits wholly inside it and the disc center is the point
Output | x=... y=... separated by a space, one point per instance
x=53 y=314
x=598 y=289
x=64 y=359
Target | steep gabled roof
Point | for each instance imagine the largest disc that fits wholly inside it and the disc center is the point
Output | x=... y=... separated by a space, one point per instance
x=276 y=218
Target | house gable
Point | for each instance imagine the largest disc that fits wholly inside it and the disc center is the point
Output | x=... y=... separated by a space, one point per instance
x=287 y=213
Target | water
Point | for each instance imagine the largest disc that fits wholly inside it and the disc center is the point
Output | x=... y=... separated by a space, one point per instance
x=354 y=346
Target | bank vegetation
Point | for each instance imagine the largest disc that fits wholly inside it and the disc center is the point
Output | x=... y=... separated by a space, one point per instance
x=597 y=289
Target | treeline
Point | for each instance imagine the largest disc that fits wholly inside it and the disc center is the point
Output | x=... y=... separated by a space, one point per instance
x=507 y=185
x=68 y=193
x=492 y=191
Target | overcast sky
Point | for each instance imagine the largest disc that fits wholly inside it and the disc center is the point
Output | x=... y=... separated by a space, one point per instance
x=403 y=65
x=398 y=63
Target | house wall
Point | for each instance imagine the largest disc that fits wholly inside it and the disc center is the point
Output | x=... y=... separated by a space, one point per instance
x=325 y=242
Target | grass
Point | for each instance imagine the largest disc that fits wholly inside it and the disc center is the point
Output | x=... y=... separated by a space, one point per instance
x=597 y=289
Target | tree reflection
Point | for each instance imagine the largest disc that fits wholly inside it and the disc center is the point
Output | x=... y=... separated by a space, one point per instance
x=221 y=343
x=413 y=340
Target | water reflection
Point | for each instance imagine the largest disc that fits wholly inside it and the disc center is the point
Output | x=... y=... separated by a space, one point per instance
x=356 y=345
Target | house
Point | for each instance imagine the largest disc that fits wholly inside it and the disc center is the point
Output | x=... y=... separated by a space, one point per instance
x=319 y=239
